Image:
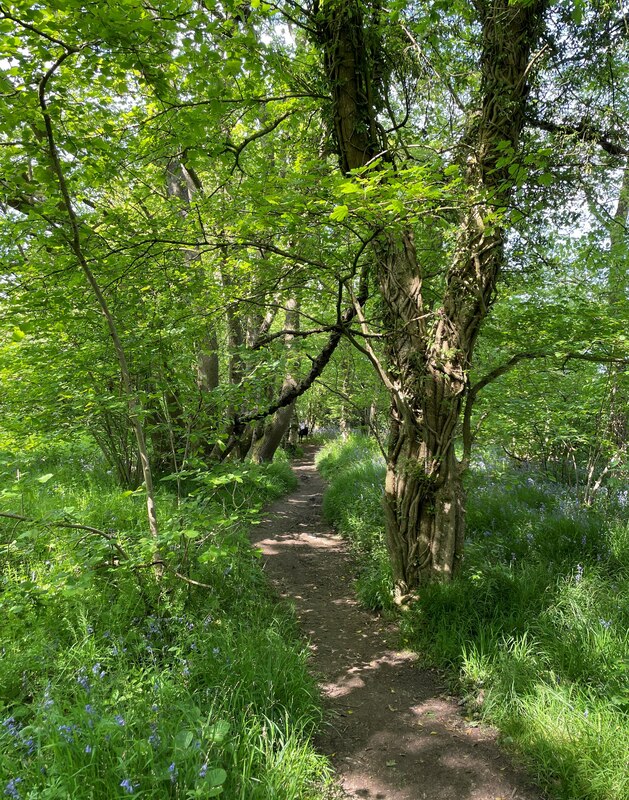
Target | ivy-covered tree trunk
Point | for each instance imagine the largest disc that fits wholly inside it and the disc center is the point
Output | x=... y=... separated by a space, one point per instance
x=430 y=344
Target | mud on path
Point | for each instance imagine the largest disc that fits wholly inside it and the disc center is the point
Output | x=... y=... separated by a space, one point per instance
x=390 y=731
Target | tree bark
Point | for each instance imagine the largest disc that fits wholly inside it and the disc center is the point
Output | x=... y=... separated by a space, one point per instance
x=617 y=286
x=275 y=429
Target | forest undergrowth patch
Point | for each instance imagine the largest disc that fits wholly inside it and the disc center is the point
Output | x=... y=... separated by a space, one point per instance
x=114 y=685
x=534 y=632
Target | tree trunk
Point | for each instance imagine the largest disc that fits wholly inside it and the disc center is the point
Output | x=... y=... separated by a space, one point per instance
x=264 y=449
x=617 y=285
x=429 y=345
x=274 y=430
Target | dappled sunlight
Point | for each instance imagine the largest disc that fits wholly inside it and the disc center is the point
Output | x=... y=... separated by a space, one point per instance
x=390 y=731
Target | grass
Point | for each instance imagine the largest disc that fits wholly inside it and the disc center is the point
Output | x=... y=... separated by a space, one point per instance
x=353 y=504
x=112 y=684
x=535 y=632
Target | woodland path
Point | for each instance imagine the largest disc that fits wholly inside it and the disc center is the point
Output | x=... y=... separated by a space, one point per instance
x=390 y=731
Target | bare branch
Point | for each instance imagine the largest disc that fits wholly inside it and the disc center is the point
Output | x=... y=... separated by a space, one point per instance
x=585 y=130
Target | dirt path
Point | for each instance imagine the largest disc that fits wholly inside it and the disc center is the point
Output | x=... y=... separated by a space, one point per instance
x=391 y=732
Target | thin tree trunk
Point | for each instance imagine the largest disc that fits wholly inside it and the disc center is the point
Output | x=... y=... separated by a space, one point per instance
x=135 y=410
x=275 y=428
x=617 y=286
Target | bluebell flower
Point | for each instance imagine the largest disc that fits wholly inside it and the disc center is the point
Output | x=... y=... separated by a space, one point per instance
x=578 y=576
x=172 y=769
x=154 y=739
x=83 y=682
x=98 y=671
x=88 y=748
x=89 y=708
x=48 y=701
x=67 y=732
x=119 y=719
x=128 y=786
x=11 y=789
x=606 y=623
x=12 y=726
x=203 y=770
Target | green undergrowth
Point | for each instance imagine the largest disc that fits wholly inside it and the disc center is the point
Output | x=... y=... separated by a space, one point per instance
x=113 y=683
x=534 y=632
x=353 y=504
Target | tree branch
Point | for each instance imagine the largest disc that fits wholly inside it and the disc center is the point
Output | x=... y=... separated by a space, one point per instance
x=585 y=130
x=73 y=525
x=473 y=393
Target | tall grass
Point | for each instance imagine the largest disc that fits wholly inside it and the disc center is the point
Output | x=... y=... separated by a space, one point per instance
x=535 y=631
x=112 y=683
x=353 y=504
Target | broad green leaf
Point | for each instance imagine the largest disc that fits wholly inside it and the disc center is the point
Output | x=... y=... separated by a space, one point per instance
x=339 y=213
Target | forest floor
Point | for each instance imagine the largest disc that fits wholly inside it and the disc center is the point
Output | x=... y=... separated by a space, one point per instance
x=391 y=731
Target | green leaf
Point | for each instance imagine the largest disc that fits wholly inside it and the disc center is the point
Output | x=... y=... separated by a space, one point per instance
x=184 y=739
x=339 y=213
x=45 y=478
x=218 y=731
x=216 y=777
x=349 y=187
x=232 y=66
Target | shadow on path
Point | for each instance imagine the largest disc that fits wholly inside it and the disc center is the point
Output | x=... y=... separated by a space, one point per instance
x=391 y=733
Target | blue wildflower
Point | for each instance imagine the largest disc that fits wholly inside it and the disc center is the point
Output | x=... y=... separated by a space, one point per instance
x=203 y=770
x=67 y=732
x=12 y=727
x=606 y=623
x=98 y=671
x=154 y=739
x=128 y=786
x=88 y=748
x=119 y=719
x=11 y=789
x=172 y=769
